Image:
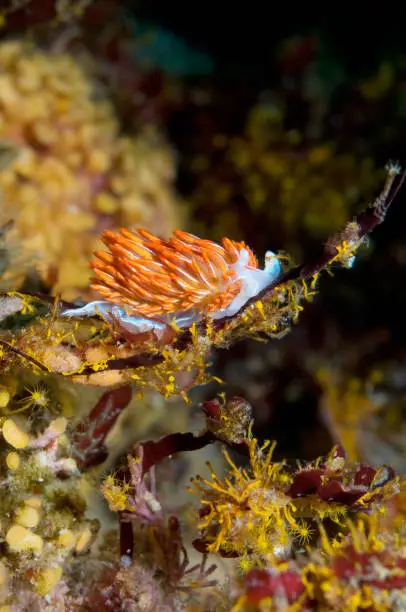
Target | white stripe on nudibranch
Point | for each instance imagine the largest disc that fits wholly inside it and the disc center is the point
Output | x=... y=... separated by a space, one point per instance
x=253 y=281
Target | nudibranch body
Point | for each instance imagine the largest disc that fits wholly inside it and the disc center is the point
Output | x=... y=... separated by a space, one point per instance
x=148 y=282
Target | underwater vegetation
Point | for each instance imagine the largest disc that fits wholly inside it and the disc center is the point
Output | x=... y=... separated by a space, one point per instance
x=142 y=464
x=315 y=535
x=67 y=172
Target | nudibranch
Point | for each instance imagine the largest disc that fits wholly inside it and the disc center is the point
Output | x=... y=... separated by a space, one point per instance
x=147 y=282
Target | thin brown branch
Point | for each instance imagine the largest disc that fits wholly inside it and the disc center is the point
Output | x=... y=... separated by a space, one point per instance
x=155 y=451
x=23 y=355
x=125 y=363
x=357 y=229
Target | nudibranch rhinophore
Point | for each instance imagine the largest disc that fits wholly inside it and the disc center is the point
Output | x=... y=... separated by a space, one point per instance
x=148 y=282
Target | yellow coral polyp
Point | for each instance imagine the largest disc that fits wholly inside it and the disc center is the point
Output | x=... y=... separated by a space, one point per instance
x=350 y=591
x=248 y=513
x=116 y=493
x=272 y=316
x=180 y=370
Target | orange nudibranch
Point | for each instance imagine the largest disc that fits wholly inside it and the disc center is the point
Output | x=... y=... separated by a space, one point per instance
x=155 y=276
x=184 y=278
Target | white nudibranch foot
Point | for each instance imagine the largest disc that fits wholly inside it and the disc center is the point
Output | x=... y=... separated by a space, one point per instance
x=116 y=314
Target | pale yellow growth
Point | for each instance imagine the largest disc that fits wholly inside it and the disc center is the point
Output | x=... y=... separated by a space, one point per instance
x=21 y=539
x=14 y=435
x=83 y=541
x=27 y=516
x=13 y=460
x=4 y=396
x=58 y=426
x=47 y=579
x=66 y=538
x=58 y=358
x=33 y=502
x=47 y=103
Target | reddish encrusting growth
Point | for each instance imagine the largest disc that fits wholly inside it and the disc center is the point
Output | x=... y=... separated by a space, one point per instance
x=260 y=584
x=88 y=448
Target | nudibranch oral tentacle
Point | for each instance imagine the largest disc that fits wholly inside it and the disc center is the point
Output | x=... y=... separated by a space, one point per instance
x=148 y=282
